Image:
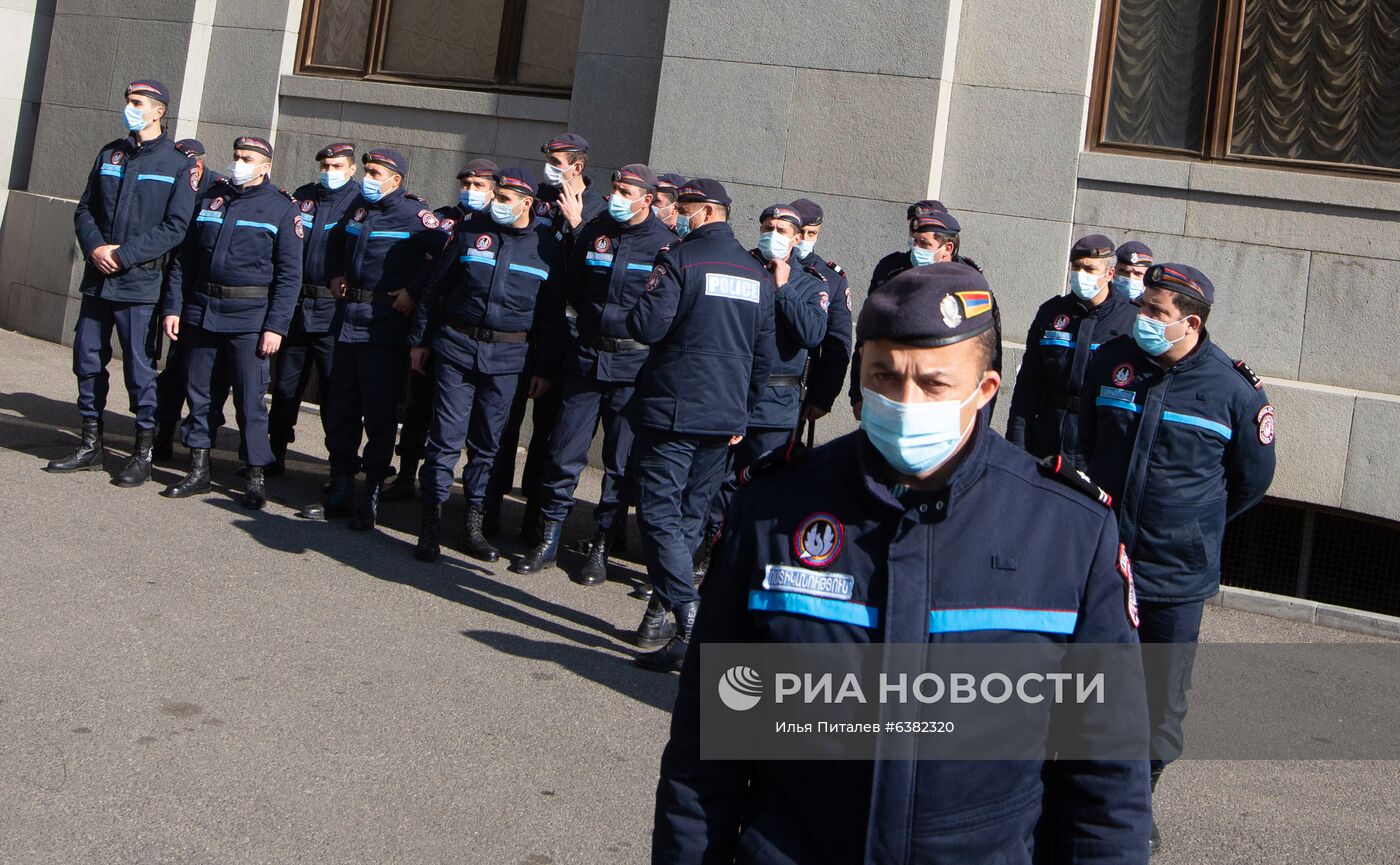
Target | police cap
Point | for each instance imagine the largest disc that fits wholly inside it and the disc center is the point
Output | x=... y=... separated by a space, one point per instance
x=149 y=87
x=255 y=144
x=704 y=189
x=516 y=179
x=930 y=306
x=809 y=210
x=1182 y=279
x=1091 y=246
x=928 y=205
x=669 y=184
x=190 y=146
x=637 y=174
x=940 y=222
x=389 y=158
x=479 y=168
x=336 y=150
x=1135 y=252
x=566 y=143
x=781 y=211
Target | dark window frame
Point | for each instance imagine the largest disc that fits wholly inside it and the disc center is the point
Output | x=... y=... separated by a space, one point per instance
x=1227 y=44
x=507 y=54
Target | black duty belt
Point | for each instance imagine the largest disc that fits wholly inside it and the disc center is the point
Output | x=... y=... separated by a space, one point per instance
x=359 y=295
x=234 y=292
x=608 y=343
x=1064 y=403
x=486 y=334
x=785 y=381
x=157 y=263
x=310 y=291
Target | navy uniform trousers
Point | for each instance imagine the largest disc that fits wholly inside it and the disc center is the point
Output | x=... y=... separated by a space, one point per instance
x=170 y=389
x=469 y=407
x=756 y=443
x=418 y=413
x=676 y=477
x=363 y=404
x=300 y=353
x=205 y=351
x=92 y=351
x=584 y=403
x=1168 y=674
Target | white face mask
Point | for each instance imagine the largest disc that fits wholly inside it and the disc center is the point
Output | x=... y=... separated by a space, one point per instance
x=553 y=174
x=241 y=172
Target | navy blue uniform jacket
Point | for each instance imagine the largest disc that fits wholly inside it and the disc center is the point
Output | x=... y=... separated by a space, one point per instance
x=1000 y=554
x=322 y=212
x=1064 y=335
x=140 y=196
x=800 y=309
x=1182 y=450
x=828 y=370
x=707 y=313
x=240 y=237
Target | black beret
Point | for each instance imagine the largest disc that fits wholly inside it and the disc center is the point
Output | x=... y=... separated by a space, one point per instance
x=518 y=179
x=940 y=222
x=1135 y=252
x=389 y=158
x=1091 y=246
x=930 y=306
x=781 y=211
x=704 y=189
x=809 y=210
x=336 y=150
x=255 y=144
x=669 y=183
x=478 y=168
x=190 y=146
x=637 y=174
x=568 y=142
x=928 y=205
x=149 y=87
x=1182 y=279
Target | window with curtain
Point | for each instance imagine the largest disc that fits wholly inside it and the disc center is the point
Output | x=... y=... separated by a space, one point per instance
x=1306 y=83
x=512 y=45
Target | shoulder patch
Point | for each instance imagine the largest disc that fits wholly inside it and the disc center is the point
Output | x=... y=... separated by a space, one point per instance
x=413 y=196
x=428 y=218
x=772 y=461
x=1125 y=569
x=300 y=232
x=812 y=269
x=1266 y=422
x=1254 y=381
x=836 y=267
x=1056 y=467
x=194 y=182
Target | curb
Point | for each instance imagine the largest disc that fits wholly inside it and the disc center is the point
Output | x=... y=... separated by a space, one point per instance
x=1311 y=612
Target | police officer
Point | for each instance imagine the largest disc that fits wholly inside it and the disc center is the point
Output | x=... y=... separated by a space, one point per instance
x=1182 y=438
x=910 y=527
x=827 y=372
x=130 y=218
x=1065 y=333
x=707 y=313
x=323 y=207
x=389 y=240
x=606 y=272
x=477 y=182
x=801 y=309
x=232 y=291
x=1134 y=258
x=667 y=186
x=568 y=202
x=486 y=291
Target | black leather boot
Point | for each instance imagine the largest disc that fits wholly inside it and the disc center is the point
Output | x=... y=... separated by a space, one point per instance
x=595 y=567
x=340 y=498
x=255 y=493
x=278 y=467
x=403 y=488
x=89 y=454
x=138 y=469
x=367 y=505
x=670 y=657
x=473 y=540
x=656 y=628
x=545 y=553
x=195 y=481
x=429 y=534
x=165 y=441
x=1154 y=840
x=702 y=557
x=642 y=590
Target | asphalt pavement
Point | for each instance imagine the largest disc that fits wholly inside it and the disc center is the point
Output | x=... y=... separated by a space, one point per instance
x=190 y=682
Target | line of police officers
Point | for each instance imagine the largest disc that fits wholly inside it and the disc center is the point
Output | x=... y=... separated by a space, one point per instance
x=700 y=359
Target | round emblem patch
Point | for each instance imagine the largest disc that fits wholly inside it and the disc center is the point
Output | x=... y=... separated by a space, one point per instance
x=359 y=215
x=602 y=244
x=429 y=219
x=448 y=225
x=1061 y=322
x=818 y=540
x=483 y=242
x=655 y=279
x=1123 y=374
x=117 y=157
x=952 y=313
x=825 y=301
x=216 y=203
x=848 y=299
x=542 y=209
x=308 y=205
x=300 y=232
x=1125 y=567
x=1266 y=425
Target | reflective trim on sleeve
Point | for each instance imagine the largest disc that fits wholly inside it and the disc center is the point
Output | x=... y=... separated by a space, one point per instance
x=1191 y=420
x=846 y=612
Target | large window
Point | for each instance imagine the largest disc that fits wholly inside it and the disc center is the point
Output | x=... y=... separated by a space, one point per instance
x=1306 y=83
x=527 y=45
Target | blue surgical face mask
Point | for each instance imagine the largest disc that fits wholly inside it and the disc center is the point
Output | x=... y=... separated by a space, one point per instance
x=914 y=438
x=135 y=118
x=921 y=256
x=334 y=179
x=502 y=213
x=1151 y=335
x=620 y=208
x=774 y=245
x=805 y=247
x=472 y=199
x=371 y=189
x=1084 y=286
x=1128 y=287
x=682 y=224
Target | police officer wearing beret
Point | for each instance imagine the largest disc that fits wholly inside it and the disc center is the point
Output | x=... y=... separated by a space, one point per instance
x=477 y=182
x=920 y=514
x=389 y=239
x=605 y=274
x=1182 y=438
x=1065 y=333
x=323 y=207
x=480 y=305
x=1134 y=258
x=568 y=202
x=233 y=288
x=707 y=313
x=132 y=215
x=170 y=383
